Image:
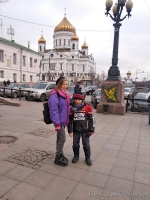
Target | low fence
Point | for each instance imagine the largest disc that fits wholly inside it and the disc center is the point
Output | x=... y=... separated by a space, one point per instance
x=4 y=93
x=133 y=106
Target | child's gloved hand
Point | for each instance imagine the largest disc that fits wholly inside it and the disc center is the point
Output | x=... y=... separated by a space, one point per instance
x=89 y=134
x=57 y=128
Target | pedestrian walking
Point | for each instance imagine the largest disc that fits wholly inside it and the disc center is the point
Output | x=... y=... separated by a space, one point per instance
x=4 y=83
x=148 y=101
x=59 y=106
x=81 y=124
x=78 y=87
x=8 y=82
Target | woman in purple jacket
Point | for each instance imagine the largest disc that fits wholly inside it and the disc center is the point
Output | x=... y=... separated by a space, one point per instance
x=59 y=104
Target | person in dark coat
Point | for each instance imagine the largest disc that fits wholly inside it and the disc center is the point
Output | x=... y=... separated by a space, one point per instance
x=81 y=124
x=78 y=87
x=5 y=83
x=8 y=82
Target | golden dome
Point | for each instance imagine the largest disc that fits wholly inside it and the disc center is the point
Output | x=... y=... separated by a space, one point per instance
x=74 y=37
x=65 y=25
x=41 y=40
x=128 y=73
x=84 y=46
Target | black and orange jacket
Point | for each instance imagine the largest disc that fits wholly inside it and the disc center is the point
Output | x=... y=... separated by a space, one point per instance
x=82 y=120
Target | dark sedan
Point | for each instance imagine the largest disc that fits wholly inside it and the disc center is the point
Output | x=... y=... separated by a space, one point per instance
x=14 y=90
x=96 y=97
x=140 y=103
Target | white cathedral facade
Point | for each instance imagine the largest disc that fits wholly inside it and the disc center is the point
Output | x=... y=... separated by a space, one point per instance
x=65 y=57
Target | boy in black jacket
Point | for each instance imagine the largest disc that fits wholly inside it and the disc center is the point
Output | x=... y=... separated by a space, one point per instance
x=81 y=123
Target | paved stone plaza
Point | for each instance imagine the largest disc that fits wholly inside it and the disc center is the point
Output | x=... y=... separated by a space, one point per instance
x=120 y=153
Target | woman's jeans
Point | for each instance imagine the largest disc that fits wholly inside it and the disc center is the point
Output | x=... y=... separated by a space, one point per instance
x=149 y=113
x=60 y=141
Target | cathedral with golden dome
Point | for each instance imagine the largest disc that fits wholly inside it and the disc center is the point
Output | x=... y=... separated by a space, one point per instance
x=65 y=58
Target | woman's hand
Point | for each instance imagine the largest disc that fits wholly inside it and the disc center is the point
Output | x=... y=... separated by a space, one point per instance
x=70 y=134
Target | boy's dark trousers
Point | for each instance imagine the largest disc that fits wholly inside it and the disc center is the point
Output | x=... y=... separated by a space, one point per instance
x=86 y=146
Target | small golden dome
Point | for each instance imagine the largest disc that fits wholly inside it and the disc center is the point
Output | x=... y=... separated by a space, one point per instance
x=74 y=37
x=41 y=40
x=65 y=25
x=128 y=73
x=84 y=46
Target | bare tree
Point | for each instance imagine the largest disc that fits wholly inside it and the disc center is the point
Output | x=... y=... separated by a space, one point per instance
x=102 y=76
x=92 y=75
x=3 y=1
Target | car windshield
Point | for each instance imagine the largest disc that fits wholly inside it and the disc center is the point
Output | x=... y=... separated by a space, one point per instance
x=14 y=85
x=141 y=96
x=98 y=92
x=127 y=89
x=71 y=90
x=40 y=85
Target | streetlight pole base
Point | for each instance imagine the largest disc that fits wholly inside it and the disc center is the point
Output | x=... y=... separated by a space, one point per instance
x=112 y=95
x=113 y=74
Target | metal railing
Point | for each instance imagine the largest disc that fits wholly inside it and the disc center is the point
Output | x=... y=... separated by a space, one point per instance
x=130 y=105
x=11 y=94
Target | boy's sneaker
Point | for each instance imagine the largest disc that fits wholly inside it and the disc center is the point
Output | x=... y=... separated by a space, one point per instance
x=75 y=159
x=61 y=160
x=88 y=161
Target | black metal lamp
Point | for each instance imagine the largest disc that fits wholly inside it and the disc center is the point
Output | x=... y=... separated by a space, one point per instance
x=113 y=72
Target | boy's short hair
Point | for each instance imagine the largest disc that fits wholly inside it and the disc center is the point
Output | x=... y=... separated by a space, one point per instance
x=78 y=95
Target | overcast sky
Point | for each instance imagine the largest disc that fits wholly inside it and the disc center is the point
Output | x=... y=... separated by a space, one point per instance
x=134 y=45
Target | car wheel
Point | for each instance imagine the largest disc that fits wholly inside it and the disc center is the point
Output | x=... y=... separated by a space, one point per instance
x=95 y=104
x=15 y=95
x=42 y=97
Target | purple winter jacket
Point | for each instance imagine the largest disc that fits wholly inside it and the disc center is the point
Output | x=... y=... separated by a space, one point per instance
x=59 y=108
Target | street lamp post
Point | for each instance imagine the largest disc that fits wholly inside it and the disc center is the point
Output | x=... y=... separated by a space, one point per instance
x=137 y=72
x=50 y=55
x=114 y=72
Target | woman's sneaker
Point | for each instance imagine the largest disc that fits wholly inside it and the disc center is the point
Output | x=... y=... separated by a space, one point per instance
x=61 y=160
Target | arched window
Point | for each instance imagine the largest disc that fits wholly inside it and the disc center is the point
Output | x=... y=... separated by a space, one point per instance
x=40 y=48
x=84 y=52
x=73 y=46
x=64 y=42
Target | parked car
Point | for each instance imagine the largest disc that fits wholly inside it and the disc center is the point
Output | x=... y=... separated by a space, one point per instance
x=71 y=90
x=39 y=91
x=140 y=90
x=140 y=103
x=128 y=93
x=90 y=89
x=96 y=97
x=16 y=89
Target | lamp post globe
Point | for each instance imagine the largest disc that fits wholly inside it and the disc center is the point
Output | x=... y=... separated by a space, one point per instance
x=109 y=4
x=129 y=5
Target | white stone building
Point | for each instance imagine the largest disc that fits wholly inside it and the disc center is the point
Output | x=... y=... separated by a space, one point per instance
x=18 y=63
x=65 y=57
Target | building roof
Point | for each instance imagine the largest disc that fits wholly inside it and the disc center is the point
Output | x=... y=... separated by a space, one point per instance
x=65 y=25
x=84 y=46
x=12 y=43
x=42 y=40
x=74 y=37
